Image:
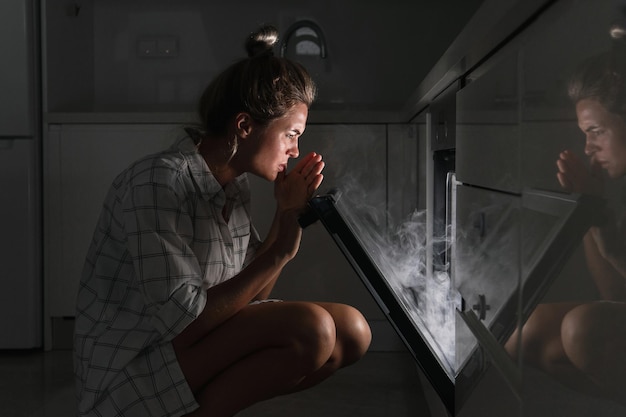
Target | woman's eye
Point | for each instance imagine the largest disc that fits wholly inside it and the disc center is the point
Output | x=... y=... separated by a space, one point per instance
x=595 y=132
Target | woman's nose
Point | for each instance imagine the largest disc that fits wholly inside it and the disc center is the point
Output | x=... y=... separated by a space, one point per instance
x=293 y=151
x=590 y=146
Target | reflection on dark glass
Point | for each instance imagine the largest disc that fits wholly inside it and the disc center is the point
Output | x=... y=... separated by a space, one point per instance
x=582 y=343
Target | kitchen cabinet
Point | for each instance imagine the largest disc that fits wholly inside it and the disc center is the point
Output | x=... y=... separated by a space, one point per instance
x=20 y=249
x=20 y=173
x=96 y=44
x=488 y=133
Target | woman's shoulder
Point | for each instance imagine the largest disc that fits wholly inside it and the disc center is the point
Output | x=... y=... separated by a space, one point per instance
x=165 y=167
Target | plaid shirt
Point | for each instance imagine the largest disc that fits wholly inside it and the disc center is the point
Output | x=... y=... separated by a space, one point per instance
x=160 y=242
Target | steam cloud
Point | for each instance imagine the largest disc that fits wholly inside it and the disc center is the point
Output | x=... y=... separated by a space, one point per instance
x=400 y=253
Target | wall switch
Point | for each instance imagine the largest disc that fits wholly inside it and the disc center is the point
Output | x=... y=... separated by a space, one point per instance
x=157 y=47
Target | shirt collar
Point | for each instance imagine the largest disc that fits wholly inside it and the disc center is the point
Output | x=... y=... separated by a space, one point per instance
x=203 y=178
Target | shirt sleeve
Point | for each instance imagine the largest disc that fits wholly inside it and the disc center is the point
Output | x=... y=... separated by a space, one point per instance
x=159 y=228
x=253 y=245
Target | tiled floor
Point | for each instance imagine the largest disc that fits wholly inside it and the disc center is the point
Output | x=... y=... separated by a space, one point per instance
x=40 y=384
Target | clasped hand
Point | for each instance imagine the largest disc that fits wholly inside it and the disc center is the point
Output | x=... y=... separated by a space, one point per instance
x=575 y=177
x=293 y=190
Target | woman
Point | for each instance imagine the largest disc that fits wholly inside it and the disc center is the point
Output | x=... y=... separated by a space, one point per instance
x=172 y=312
x=584 y=344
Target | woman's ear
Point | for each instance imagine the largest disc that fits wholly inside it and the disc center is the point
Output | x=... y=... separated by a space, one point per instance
x=243 y=124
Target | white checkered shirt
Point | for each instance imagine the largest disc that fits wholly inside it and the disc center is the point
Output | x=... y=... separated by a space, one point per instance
x=160 y=242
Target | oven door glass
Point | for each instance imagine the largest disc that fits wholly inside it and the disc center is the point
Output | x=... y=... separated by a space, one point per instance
x=441 y=327
x=512 y=249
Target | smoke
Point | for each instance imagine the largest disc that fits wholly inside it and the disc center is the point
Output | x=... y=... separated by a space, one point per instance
x=393 y=233
x=400 y=250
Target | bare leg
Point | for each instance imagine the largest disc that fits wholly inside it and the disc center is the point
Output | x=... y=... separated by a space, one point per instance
x=353 y=337
x=594 y=339
x=541 y=344
x=567 y=340
x=264 y=351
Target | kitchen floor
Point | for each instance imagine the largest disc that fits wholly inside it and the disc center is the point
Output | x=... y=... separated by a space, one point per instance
x=40 y=384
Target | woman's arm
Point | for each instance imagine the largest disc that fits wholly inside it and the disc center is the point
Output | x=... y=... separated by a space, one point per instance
x=609 y=281
x=292 y=192
x=272 y=235
x=610 y=241
x=605 y=252
x=229 y=297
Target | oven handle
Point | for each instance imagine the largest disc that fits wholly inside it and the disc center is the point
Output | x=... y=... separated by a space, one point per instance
x=450 y=232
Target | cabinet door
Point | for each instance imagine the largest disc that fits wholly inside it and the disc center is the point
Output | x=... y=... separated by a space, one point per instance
x=80 y=163
x=487 y=129
x=20 y=298
x=17 y=106
x=406 y=152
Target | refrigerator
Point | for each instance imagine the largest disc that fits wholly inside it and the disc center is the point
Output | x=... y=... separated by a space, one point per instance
x=21 y=302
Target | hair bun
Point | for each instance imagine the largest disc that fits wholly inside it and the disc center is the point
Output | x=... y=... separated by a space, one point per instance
x=262 y=41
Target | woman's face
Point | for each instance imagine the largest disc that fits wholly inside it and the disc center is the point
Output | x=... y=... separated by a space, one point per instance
x=272 y=146
x=605 y=136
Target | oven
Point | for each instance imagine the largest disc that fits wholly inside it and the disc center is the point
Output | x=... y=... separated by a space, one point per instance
x=455 y=330
x=455 y=280
x=460 y=277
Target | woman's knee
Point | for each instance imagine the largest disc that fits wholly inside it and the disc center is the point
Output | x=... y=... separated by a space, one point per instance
x=354 y=334
x=585 y=332
x=537 y=335
x=312 y=334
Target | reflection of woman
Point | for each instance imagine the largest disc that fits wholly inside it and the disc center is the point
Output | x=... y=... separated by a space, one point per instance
x=172 y=315
x=584 y=344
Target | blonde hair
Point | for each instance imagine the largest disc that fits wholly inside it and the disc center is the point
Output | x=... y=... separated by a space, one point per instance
x=262 y=85
x=603 y=78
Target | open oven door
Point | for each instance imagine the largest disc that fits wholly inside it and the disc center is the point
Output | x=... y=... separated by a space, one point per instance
x=455 y=346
